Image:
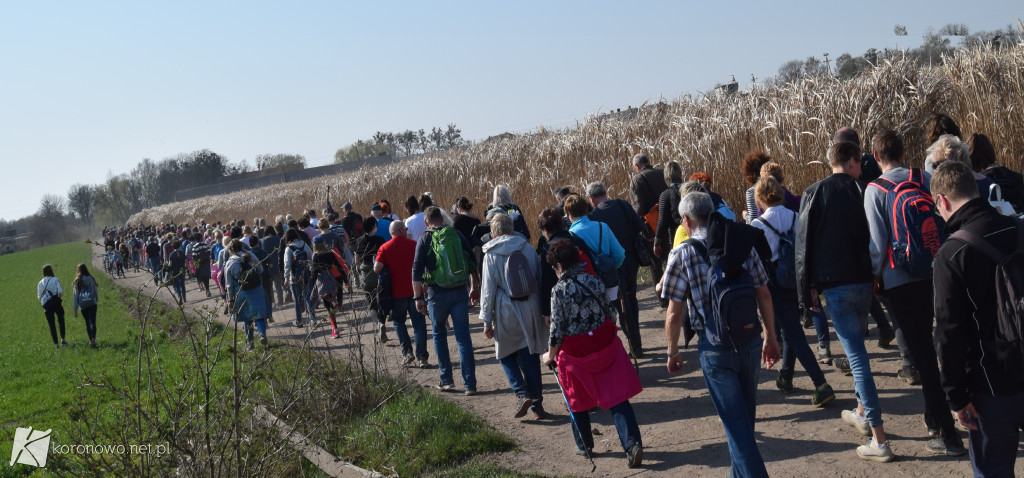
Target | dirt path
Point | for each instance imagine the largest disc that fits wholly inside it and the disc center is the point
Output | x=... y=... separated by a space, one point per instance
x=681 y=431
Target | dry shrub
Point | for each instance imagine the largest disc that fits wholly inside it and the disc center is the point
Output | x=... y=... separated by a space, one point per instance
x=981 y=88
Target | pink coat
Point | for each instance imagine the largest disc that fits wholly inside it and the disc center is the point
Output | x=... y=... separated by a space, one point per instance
x=594 y=369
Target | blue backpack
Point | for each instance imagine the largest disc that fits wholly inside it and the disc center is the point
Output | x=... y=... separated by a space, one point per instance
x=730 y=314
x=785 y=265
x=916 y=231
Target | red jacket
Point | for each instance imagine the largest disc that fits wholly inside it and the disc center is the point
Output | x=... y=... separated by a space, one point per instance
x=594 y=369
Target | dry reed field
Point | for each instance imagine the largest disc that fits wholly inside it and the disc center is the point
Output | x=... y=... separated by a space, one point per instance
x=982 y=89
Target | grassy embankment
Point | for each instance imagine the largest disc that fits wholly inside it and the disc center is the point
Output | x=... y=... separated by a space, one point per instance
x=413 y=434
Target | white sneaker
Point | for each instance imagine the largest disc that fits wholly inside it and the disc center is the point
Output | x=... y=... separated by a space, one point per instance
x=857 y=421
x=874 y=452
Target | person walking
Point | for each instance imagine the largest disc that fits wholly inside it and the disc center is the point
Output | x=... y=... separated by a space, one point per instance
x=730 y=368
x=982 y=374
x=397 y=255
x=443 y=267
x=832 y=256
x=50 y=293
x=298 y=279
x=593 y=368
x=246 y=298
x=86 y=297
x=510 y=312
x=902 y=271
x=779 y=226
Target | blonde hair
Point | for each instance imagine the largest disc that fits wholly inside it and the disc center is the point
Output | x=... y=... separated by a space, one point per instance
x=768 y=191
x=226 y=241
x=949 y=147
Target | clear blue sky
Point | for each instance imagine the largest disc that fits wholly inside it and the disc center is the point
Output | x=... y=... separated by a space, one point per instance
x=91 y=88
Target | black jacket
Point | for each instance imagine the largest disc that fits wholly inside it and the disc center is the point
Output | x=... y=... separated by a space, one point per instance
x=832 y=236
x=624 y=222
x=1010 y=182
x=965 y=305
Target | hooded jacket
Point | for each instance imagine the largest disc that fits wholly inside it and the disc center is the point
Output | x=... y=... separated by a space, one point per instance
x=517 y=323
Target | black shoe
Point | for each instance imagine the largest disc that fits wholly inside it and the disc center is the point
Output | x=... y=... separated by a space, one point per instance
x=634 y=455
x=910 y=375
x=538 y=412
x=885 y=338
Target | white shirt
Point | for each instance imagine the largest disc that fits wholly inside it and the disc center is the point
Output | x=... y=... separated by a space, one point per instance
x=782 y=220
x=415 y=227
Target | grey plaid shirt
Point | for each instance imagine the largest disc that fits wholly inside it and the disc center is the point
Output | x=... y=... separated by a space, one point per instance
x=687 y=273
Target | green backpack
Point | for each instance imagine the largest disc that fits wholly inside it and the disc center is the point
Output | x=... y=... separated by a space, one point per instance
x=452 y=265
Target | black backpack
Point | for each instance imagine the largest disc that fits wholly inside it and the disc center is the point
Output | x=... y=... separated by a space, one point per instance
x=730 y=313
x=300 y=262
x=519 y=276
x=1009 y=287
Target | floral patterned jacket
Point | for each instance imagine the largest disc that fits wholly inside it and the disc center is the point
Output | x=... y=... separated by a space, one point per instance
x=578 y=305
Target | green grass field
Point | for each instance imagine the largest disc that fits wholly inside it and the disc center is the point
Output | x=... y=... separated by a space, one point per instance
x=40 y=386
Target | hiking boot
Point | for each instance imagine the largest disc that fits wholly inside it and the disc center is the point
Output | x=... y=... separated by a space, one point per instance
x=469 y=393
x=843 y=364
x=910 y=375
x=876 y=452
x=522 y=405
x=822 y=395
x=824 y=355
x=634 y=455
x=423 y=363
x=263 y=340
x=298 y=323
x=444 y=387
x=857 y=421
x=885 y=337
x=408 y=360
x=786 y=386
x=207 y=293
x=808 y=322
x=383 y=334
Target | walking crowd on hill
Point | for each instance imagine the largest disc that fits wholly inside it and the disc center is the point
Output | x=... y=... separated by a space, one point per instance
x=934 y=255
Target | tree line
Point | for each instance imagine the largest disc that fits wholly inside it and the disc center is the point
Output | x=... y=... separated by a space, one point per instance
x=935 y=45
x=405 y=143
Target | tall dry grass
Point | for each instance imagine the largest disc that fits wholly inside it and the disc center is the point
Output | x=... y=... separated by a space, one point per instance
x=983 y=89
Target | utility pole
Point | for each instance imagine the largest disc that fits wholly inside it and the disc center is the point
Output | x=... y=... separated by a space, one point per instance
x=828 y=68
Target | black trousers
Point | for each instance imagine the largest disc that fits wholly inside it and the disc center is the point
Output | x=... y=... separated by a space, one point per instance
x=911 y=306
x=628 y=306
x=89 y=314
x=55 y=311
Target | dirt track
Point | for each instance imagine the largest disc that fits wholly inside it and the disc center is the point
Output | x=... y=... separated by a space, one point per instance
x=681 y=433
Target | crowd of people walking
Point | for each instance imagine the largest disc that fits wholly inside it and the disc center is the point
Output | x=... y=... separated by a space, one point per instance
x=916 y=249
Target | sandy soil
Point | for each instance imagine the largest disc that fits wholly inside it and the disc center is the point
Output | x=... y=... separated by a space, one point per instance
x=681 y=432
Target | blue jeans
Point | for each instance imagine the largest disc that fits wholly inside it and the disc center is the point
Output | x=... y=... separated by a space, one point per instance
x=179 y=284
x=302 y=288
x=454 y=303
x=625 y=424
x=261 y=327
x=821 y=327
x=994 y=444
x=848 y=306
x=523 y=371
x=154 y=266
x=731 y=377
x=419 y=326
x=793 y=340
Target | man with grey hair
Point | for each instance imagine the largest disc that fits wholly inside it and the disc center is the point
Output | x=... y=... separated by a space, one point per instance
x=832 y=257
x=515 y=323
x=627 y=226
x=730 y=372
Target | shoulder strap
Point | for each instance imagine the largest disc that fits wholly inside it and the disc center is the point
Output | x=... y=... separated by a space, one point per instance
x=765 y=222
x=792 y=227
x=982 y=245
x=699 y=247
x=591 y=294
